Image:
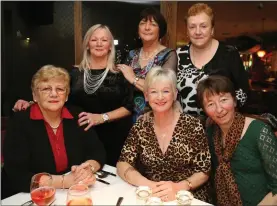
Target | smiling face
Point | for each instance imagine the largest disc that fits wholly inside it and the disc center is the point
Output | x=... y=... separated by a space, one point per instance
x=220 y=108
x=51 y=95
x=99 y=43
x=148 y=30
x=200 y=29
x=161 y=95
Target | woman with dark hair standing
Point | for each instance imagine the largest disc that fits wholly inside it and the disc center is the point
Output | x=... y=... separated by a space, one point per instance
x=152 y=27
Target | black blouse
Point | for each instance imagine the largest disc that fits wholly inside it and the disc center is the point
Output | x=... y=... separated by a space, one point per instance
x=114 y=92
x=225 y=62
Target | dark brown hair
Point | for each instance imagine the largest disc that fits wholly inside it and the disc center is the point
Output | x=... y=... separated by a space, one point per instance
x=198 y=8
x=148 y=13
x=214 y=85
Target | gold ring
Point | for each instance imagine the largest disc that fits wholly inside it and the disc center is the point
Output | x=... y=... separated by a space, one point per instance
x=88 y=121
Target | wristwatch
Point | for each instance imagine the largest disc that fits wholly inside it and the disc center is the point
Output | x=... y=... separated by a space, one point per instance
x=105 y=117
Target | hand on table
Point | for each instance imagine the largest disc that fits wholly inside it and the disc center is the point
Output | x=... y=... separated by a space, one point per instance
x=81 y=174
x=166 y=190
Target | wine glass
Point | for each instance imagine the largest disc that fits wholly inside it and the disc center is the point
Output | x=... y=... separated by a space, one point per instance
x=42 y=190
x=78 y=194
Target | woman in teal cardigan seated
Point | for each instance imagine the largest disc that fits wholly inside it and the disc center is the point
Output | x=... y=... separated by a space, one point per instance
x=243 y=149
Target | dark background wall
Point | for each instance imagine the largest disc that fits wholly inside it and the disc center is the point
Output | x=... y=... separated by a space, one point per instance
x=50 y=27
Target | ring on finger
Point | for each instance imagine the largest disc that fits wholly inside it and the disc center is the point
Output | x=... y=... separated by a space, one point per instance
x=88 y=121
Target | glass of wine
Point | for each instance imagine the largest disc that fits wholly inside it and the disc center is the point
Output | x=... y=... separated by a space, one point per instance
x=42 y=190
x=78 y=194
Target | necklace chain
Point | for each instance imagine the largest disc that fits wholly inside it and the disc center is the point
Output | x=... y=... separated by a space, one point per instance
x=93 y=82
x=193 y=56
x=56 y=126
x=142 y=55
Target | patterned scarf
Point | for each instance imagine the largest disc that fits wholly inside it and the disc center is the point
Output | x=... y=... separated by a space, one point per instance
x=226 y=187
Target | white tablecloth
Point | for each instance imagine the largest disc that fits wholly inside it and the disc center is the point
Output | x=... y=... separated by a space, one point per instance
x=102 y=194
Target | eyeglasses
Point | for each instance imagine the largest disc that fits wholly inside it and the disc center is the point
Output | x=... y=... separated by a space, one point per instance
x=48 y=90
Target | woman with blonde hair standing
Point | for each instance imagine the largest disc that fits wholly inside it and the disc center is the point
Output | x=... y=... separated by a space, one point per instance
x=102 y=92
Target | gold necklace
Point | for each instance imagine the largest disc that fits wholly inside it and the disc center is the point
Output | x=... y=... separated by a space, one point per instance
x=143 y=57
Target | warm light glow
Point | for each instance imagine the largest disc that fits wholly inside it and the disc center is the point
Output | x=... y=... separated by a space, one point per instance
x=261 y=53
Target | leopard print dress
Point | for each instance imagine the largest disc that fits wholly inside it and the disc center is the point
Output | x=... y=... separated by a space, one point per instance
x=186 y=154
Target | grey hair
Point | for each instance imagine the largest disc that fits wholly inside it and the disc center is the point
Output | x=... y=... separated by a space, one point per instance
x=157 y=74
x=86 y=55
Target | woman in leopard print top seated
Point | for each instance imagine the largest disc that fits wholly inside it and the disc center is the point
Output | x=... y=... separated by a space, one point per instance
x=171 y=147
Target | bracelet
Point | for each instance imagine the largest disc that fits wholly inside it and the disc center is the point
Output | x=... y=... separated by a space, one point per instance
x=189 y=184
x=63 y=181
x=135 y=80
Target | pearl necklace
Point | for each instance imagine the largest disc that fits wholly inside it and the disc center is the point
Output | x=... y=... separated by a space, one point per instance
x=56 y=126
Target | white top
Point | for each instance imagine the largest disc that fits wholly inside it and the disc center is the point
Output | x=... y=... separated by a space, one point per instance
x=102 y=194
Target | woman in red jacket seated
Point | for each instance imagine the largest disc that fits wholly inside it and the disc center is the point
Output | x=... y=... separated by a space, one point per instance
x=47 y=138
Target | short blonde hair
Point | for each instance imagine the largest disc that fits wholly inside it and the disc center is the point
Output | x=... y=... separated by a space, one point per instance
x=86 y=54
x=48 y=72
x=198 y=8
x=159 y=74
